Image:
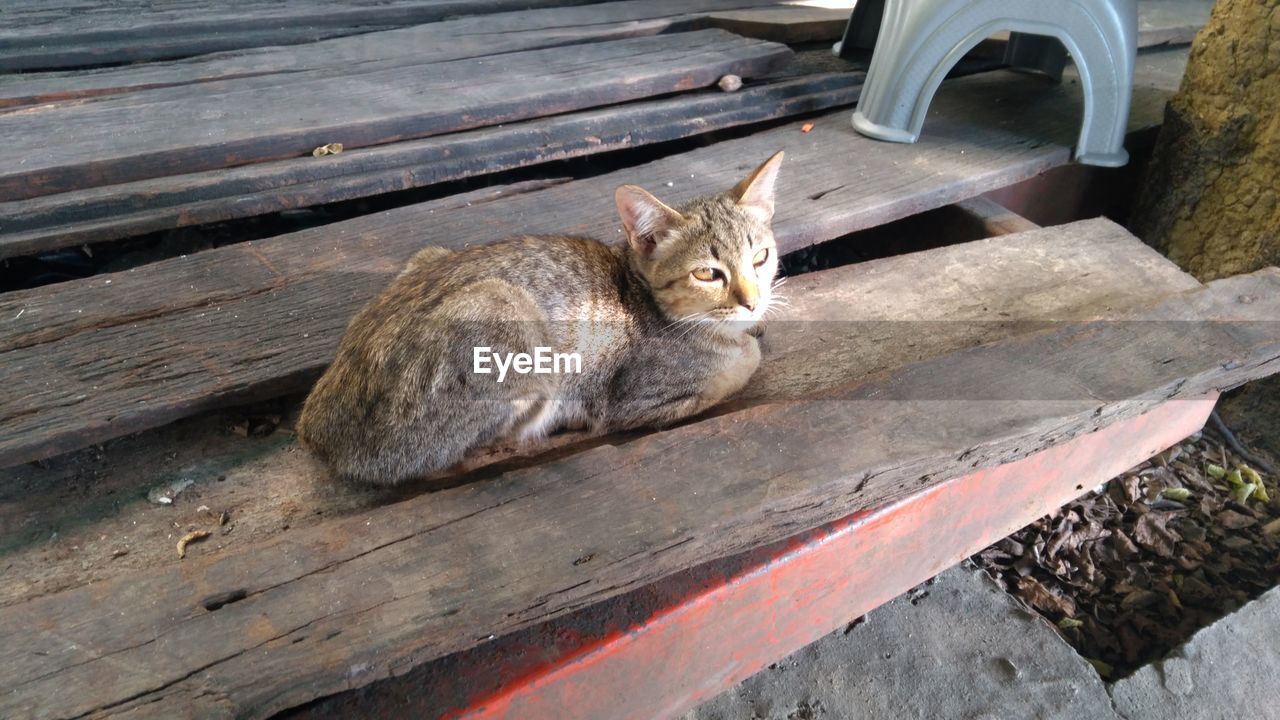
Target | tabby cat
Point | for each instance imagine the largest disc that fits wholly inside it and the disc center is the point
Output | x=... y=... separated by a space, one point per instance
x=665 y=325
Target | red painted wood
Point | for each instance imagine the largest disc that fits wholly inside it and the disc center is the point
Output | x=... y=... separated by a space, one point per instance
x=658 y=651
x=731 y=626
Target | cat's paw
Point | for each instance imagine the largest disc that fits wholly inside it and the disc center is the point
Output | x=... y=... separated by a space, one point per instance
x=756 y=331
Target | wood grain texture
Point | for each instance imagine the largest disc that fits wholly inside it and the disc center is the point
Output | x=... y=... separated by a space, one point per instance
x=116 y=211
x=356 y=600
x=1160 y=23
x=788 y=24
x=64 y=33
x=94 y=359
x=853 y=323
x=141 y=136
x=992 y=218
x=1171 y=22
x=454 y=39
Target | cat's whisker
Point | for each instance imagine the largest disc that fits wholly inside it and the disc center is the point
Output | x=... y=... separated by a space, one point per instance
x=700 y=320
x=687 y=324
x=674 y=323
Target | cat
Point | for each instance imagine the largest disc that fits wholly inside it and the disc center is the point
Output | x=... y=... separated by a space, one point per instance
x=665 y=325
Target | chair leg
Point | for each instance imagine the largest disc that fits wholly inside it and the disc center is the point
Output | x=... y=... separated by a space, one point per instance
x=862 y=28
x=921 y=40
x=1036 y=52
x=1105 y=60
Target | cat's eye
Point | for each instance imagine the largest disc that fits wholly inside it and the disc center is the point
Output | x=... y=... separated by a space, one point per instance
x=760 y=257
x=706 y=274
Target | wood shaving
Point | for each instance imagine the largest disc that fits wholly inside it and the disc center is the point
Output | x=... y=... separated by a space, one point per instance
x=330 y=149
x=190 y=537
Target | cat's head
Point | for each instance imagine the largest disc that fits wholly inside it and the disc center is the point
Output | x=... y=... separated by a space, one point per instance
x=713 y=259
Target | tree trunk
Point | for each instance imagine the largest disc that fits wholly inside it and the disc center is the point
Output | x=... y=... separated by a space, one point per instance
x=1209 y=200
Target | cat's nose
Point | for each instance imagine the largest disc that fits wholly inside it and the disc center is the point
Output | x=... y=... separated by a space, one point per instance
x=747 y=296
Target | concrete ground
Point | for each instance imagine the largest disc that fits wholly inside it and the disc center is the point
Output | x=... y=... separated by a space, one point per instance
x=962 y=648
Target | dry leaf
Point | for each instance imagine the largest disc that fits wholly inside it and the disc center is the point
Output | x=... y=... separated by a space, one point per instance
x=1234 y=520
x=1138 y=598
x=1151 y=533
x=1040 y=597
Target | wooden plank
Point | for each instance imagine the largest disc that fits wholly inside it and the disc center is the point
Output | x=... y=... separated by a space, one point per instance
x=1161 y=22
x=980 y=292
x=355 y=600
x=1171 y=22
x=788 y=24
x=453 y=39
x=114 y=354
x=992 y=218
x=39 y=34
x=115 y=211
x=116 y=140
x=665 y=648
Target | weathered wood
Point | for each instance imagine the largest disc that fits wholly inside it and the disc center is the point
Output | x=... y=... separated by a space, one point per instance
x=132 y=138
x=454 y=39
x=115 y=211
x=38 y=34
x=788 y=24
x=93 y=359
x=355 y=600
x=663 y=649
x=1171 y=22
x=853 y=323
x=993 y=218
x=975 y=293
x=1161 y=22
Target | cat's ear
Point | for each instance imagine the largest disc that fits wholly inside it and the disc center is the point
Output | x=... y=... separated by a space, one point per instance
x=645 y=218
x=755 y=193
